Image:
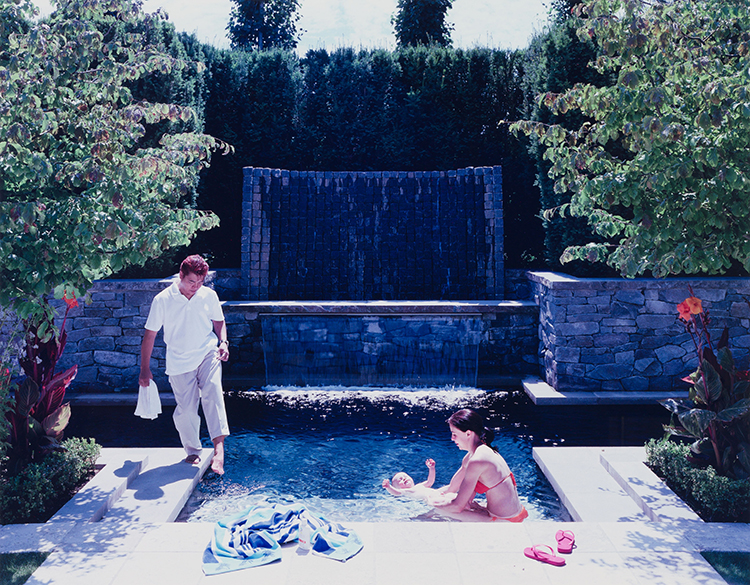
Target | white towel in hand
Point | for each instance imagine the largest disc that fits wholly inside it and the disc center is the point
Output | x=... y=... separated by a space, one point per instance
x=149 y=404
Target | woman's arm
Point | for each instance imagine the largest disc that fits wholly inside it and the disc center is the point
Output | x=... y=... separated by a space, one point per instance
x=466 y=488
x=457 y=478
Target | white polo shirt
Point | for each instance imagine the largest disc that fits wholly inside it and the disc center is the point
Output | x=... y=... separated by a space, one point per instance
x=188 y=326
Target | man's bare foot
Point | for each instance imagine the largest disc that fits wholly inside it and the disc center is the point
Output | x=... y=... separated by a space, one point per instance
x=193 y=459
x=217 y=463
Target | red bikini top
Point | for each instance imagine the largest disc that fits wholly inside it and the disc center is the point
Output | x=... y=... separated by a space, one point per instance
x=480 y=488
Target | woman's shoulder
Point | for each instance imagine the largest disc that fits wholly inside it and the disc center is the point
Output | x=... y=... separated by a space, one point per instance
x=485 y=453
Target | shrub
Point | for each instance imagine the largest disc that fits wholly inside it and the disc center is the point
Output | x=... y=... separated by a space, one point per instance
x=40 y=489
x=713 y=497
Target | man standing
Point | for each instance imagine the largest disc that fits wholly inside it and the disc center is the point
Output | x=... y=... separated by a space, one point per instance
x=193 y=323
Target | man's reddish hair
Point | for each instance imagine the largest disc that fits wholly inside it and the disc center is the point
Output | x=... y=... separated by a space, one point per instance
x=194 y=265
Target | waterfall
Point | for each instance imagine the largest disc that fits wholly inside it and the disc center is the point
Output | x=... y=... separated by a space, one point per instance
x=371 y=350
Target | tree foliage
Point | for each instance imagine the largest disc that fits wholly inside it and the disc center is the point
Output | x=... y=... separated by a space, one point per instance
x=555 y=60
x=80 y=196
x=422 y=22
x=659 y=166
x=264 y=24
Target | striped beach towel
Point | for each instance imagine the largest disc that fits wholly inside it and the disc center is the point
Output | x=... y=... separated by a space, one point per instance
x=253 y=538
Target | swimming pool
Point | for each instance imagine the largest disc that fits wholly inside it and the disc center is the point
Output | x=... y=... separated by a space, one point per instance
x=330 y=448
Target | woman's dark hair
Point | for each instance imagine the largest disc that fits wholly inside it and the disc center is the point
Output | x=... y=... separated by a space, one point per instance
x=467 y=419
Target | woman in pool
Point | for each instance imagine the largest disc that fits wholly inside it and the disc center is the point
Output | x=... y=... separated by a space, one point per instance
x=482 y=471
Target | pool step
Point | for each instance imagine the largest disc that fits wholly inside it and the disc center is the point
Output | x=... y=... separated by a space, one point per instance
x=646 y=489
x=138 y=485
x=161 y=489
x=585 y=487
x=610 y=484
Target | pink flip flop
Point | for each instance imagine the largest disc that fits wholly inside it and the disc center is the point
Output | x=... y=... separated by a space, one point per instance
x=538 y=553
x=566 y=540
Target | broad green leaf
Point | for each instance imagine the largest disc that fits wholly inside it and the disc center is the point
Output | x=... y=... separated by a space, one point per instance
x=737 y=410
x=696 y=421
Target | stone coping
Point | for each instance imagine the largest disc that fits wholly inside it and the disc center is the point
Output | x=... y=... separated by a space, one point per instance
x=542 y=394
x=382 y=307
x=558 y=280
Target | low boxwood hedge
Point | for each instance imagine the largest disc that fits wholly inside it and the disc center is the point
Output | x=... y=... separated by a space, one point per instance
x=40 y=489
x=713 y=497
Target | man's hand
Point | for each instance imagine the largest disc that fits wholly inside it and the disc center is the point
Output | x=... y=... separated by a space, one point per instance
x=145 y=377
x=223 y=352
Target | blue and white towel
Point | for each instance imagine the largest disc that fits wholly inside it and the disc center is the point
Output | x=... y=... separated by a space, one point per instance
x=252 y=538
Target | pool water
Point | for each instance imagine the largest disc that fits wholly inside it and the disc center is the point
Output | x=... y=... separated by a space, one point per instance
x=331 y=448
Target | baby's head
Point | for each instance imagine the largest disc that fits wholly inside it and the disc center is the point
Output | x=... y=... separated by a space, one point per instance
x=402 y=481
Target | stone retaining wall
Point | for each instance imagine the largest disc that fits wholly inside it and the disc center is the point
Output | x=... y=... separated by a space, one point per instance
x=578 y=334
x=383 y=342
x=619 y=334
x=501 y=336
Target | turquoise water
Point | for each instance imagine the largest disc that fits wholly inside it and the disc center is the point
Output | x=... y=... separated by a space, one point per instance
x=331 y=448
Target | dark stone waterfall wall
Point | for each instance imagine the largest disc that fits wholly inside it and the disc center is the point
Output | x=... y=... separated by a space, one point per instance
x=373 y=235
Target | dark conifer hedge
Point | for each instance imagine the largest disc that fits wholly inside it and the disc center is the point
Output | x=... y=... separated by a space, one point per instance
x=419 y=108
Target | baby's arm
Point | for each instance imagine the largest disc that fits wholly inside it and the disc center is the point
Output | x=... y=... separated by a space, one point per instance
x=430 y=463
x=390 y=489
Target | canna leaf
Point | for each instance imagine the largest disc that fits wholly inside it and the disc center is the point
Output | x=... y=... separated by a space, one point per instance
x=696 y=421
x=55 y=423
x=27 y=395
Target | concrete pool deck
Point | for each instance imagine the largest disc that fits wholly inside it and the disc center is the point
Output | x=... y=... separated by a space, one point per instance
x=119 y=530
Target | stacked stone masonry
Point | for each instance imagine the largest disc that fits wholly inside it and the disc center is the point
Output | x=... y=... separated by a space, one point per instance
x=624 y=335
x=577 y=334
x=372 y=235
x=104 y=338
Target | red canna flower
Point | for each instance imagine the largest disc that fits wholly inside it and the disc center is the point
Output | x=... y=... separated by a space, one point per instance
x=684 y=310
x=71 y=302
x=694 y=304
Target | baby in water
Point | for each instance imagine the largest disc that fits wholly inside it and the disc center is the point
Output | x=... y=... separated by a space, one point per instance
x=403 y=485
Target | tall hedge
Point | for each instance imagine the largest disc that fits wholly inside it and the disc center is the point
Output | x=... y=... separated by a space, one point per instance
x=418 y=108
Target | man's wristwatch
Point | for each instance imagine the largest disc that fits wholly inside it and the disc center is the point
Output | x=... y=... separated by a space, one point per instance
x=224 y=341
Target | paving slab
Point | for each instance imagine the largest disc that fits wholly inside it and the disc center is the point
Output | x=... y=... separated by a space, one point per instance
x=417 y=553
x=33 y=537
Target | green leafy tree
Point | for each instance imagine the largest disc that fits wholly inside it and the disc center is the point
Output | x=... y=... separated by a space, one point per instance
x=264 y=24
x=80 y=197
x=422 y=22
x=659 y=165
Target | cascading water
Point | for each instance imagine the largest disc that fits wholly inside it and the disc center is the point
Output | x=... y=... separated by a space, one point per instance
x=371 y=350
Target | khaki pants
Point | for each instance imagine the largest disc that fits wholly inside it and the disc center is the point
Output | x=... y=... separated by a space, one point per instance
x=204 y=384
